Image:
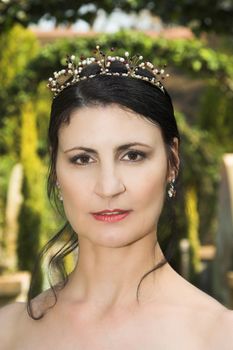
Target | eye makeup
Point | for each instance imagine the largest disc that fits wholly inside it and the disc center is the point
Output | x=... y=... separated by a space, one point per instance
x=139 y=155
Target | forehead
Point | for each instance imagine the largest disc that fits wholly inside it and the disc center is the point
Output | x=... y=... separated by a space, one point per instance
x=108 y=124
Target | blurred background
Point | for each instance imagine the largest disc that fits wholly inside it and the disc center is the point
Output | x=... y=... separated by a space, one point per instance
x=195 y=40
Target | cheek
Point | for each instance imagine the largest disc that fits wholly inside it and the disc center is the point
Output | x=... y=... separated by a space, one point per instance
x=151 y=188
x=149 y=193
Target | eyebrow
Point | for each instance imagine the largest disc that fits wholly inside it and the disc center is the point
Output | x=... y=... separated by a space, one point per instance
x=116 y=149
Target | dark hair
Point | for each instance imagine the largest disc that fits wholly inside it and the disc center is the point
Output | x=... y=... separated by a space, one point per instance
x=135 y=94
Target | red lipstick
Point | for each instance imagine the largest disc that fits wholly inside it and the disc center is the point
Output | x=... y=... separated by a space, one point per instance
x=111 y=215
x=111 y=211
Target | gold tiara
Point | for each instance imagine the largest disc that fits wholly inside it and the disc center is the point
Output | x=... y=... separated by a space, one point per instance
x=133 y=68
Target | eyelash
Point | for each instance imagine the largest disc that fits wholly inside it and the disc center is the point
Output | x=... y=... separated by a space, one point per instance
x=84 y=155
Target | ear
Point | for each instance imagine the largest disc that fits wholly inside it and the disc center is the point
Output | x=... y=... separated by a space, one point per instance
x=175 y=164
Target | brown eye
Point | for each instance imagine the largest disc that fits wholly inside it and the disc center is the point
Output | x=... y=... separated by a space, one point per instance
x=83 y=157
x=134 y=155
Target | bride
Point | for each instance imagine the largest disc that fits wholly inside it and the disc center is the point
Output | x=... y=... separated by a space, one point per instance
x=114 y=151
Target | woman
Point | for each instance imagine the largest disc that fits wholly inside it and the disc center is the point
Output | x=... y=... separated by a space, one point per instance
x=114 y=148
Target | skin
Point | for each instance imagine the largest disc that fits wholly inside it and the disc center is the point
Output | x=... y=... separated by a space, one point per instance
x=98 y=309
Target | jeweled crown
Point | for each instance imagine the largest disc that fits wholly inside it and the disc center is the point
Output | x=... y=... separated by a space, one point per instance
x=133 y=68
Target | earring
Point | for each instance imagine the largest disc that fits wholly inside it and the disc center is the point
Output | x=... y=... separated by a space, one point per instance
x=171 y=191
x=59 y=193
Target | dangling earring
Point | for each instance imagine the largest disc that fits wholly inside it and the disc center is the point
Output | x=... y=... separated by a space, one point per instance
x=59 y=193
x=171 y=191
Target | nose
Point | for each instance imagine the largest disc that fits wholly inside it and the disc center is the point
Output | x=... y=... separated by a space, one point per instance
x=109 y=183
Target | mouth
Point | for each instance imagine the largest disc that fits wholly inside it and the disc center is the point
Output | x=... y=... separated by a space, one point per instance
x=111 y=217
x=111 y=212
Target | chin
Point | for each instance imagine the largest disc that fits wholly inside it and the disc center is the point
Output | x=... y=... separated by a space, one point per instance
x=115 y=237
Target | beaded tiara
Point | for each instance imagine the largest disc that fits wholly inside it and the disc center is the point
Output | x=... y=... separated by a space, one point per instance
x=73 y=73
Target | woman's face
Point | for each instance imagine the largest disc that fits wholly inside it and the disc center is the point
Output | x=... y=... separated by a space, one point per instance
x=108 y=177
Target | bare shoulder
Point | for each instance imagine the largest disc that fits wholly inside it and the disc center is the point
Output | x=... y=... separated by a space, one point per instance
x=10 y=316
x=11 y=313
x=213 y=321
x=227 y=324
x=15 y=322
x=208 y=320
x=222 y=334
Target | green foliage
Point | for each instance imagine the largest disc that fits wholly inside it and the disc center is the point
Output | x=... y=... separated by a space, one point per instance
x=6 y=166
x=14 y=58
x=10 y=141
x=193 y=229
x=17 y=47
x=206 y=15
x=214 y=16
x=200 y=163
x=42 y=108
x=30 y=217
x=192 y=56
x=216 y=115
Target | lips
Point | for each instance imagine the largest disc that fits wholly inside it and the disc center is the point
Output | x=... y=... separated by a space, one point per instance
x=109 y=212
x=111 y=218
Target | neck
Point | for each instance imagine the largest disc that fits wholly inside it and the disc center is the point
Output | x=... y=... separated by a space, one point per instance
x=108 y=277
